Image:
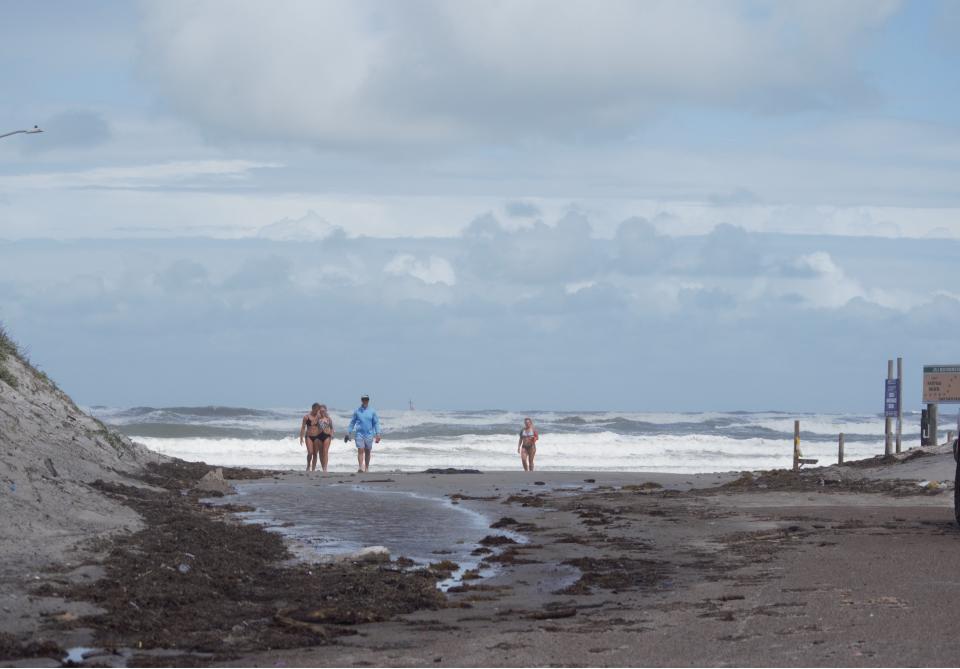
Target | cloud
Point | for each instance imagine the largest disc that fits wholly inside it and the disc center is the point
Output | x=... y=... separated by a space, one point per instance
x=183 y=276
x=223 y=312
x=728 y=250
x=310 y=226
x=735 y=197
x=639 y=248
x=260 y=275
x=538 y=253
x=824 y=283
x=432 y=270
x=149 y=176
x=372 y=72
x=521 y=209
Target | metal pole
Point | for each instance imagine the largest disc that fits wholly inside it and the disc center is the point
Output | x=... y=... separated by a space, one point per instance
x=796 y=445
x=32 y=131
x=840 y=450
x=887 y=432
x=899 y=402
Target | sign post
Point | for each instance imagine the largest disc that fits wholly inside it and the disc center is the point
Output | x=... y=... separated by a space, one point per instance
x=899 y=403
x=890 y=402
x=941 y=385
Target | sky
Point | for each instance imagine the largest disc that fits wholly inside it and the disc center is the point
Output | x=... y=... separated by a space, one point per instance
x=687 y=206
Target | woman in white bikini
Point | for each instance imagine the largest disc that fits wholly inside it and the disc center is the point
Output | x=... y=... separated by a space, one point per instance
x=527 y=446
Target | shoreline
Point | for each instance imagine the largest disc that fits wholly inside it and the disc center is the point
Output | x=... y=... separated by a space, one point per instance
x=638 y=562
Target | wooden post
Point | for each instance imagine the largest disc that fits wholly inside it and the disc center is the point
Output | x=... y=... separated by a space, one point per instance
x=932 y=418
x=796 y=445
x=887 y=432
x=899 y=402
x=840 y=450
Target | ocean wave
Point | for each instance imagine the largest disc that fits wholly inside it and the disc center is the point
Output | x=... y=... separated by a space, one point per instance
x=601 y=451
x=239 y=422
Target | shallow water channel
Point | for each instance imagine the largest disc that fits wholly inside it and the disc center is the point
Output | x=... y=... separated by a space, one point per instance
x=326 y=520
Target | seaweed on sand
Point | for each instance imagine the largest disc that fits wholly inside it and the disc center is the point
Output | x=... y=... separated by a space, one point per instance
x=615 y=574
x=190 y=581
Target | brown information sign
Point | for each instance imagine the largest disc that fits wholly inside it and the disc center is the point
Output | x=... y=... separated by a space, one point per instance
x=941 y=384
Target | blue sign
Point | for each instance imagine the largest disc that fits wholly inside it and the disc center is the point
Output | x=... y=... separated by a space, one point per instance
x=891 y=398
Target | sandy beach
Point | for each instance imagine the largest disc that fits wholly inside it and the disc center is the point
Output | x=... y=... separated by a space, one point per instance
x=846 y=566
x=842 y=566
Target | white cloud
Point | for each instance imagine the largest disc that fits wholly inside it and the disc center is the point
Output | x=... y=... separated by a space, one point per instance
x=433 y=270
x=156 y=175
x=370 y=71
x=310 y=226
x=828 y=285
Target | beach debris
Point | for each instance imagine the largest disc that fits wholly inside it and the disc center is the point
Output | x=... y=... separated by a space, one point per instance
x=213 y=482
x=203 y=610
x=645 y=487
x=526 y=500
x=506 y=521
x=539 y=483
x=615 y=574
x=12 y=648
x=444 y=568
x=50 y=468
x=550 y=614
x=315 y=620
x=184 y=568
x=372 y=554
x=452 y=470
x=589 y=480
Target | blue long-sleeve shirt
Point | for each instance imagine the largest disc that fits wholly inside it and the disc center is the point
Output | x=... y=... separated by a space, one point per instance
x=366 y=422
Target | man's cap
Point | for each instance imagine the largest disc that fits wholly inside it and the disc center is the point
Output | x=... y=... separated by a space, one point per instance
x=364 y=397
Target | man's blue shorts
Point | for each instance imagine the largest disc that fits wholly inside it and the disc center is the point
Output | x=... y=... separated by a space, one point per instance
x=364 y=441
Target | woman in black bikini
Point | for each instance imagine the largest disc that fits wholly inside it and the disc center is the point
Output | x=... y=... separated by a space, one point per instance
x=326 y=435
x=310 y=427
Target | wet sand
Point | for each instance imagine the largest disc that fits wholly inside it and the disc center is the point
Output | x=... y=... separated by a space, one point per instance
x=850 y=566
x=638 y=569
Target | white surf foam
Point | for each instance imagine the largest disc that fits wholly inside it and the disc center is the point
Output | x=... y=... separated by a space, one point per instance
x=589 y=451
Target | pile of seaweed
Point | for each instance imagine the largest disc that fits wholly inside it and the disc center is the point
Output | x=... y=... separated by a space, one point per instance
x=832 y=479
x=195 y=581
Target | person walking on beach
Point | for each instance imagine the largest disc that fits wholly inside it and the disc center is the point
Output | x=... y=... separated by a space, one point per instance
x=310 y=427
x=527 y=446
x=326 y=436
x=365 y=424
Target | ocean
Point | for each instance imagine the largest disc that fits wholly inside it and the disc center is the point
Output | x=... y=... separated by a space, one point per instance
x=415 y=440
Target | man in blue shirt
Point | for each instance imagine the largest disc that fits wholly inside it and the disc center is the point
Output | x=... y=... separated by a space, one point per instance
x=366 y=427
